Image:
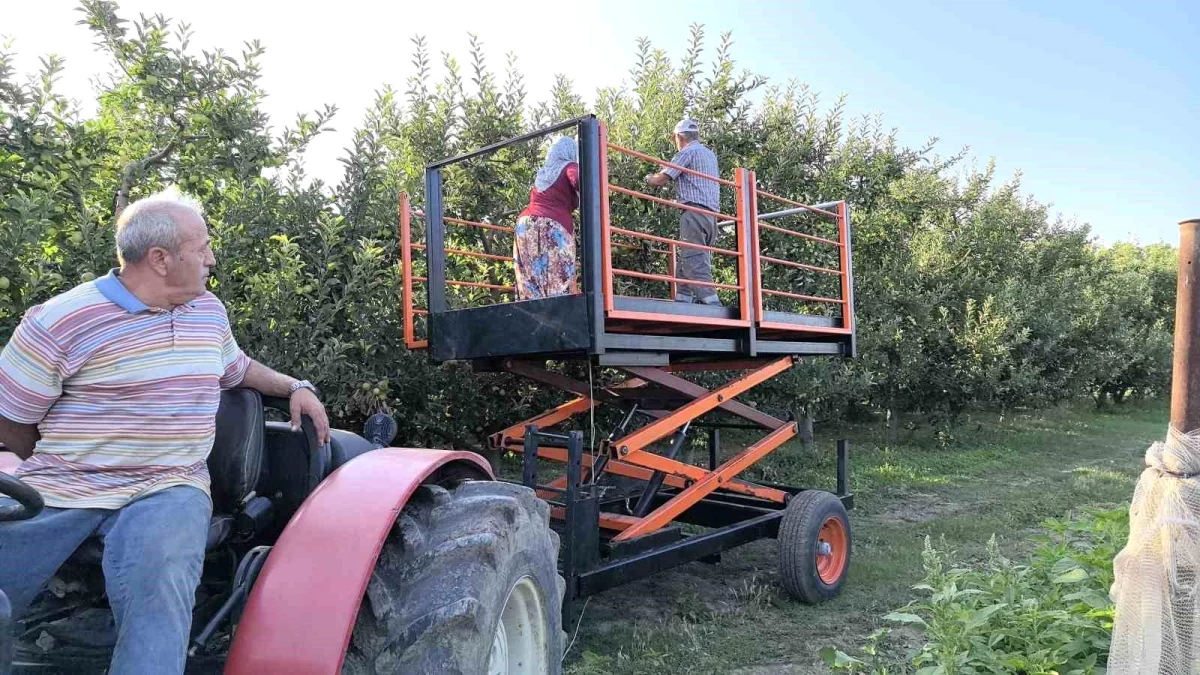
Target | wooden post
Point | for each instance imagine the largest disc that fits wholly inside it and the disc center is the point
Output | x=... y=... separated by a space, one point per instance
x=1185 y=374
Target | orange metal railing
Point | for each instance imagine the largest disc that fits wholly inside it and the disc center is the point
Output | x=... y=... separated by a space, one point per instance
x=843 y=273
x=610 y=271
x=748 y=254
x=407 y=246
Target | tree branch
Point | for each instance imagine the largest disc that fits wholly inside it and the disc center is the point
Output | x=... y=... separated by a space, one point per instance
x=133 y=169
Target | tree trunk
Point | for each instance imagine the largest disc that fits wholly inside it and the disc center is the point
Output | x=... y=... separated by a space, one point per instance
x=893 y=425
x=806 y=431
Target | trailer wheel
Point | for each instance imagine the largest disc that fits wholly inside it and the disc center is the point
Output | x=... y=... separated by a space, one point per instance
x=814 y=546
x=468 y=583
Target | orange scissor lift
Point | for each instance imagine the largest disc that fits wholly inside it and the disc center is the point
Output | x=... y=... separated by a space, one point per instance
x=621 y=504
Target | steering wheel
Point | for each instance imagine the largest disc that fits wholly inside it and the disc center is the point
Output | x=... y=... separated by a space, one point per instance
x=29 y=502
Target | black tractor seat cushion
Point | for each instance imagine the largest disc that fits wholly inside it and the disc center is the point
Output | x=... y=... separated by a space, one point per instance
x=236 y=460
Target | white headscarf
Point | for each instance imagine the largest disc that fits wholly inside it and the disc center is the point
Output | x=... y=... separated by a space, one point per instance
x=561 y=153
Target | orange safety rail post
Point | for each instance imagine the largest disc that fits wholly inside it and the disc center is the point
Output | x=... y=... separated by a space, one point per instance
x=745 y=214
x=672 y=251
x=756 y=264
x=844 y=236
x=606 y=262
x=406 y=248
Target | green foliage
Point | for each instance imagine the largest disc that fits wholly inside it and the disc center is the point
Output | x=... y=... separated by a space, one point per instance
x=967 y=295
x=1050 y=614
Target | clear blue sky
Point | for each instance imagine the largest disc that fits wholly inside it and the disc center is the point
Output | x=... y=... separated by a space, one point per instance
x=1097 y=103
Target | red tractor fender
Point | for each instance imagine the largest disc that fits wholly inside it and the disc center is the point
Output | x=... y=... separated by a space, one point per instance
x=301 y=611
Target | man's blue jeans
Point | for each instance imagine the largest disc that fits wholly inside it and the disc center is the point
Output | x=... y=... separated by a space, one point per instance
x=153 y=555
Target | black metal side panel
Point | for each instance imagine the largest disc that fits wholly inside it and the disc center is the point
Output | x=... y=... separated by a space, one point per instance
x=435 y=254
x=545 y=326
x=590 y=215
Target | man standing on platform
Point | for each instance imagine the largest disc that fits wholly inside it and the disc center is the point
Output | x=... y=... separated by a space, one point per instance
x=694 y=228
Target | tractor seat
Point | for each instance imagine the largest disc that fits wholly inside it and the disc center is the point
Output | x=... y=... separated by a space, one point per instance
x=234 y=466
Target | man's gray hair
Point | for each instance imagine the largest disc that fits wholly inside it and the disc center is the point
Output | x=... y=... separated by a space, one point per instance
x=151 y=222
x=690 y=136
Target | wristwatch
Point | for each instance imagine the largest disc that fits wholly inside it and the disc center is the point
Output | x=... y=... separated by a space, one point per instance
x=301 y=384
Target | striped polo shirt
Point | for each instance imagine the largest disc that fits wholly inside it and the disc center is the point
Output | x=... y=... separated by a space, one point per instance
x=125 y=396
x=694 y=189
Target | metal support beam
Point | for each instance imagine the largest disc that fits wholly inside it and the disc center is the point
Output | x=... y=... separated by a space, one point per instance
x=529 y=458
x=693 y=548
x=843 y=468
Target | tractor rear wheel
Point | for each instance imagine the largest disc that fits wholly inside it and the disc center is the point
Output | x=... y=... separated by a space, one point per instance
x=814 y=546
x=468 y=583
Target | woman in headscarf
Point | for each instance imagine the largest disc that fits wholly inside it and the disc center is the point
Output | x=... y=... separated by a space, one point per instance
x=544 y=245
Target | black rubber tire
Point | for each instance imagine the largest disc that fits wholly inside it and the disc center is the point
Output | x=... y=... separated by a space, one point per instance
x=443 y=577
x=798 y=540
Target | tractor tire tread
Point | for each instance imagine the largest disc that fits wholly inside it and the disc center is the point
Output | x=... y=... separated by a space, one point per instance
x=442 y=577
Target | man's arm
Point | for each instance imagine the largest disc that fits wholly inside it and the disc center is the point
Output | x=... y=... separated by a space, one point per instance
x=32 y=368
x=17 y=438
x=658 y=179
x=669 y=173
x=303 y=402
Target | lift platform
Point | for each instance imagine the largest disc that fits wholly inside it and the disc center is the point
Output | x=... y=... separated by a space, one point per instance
x=787 y=292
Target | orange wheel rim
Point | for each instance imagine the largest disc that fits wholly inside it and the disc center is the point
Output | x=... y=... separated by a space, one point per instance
x=833 y=549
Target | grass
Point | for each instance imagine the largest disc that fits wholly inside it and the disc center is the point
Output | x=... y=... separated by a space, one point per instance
x=1003 y=476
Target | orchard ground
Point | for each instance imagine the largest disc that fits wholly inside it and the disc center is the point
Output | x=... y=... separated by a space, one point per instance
x=1003 y=476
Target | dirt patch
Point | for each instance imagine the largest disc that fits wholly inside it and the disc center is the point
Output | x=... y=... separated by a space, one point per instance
x=916 y=507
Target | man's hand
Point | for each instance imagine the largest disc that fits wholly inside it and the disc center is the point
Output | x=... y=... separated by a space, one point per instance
x=305 y=402
x=18 y=439
x=657 y=179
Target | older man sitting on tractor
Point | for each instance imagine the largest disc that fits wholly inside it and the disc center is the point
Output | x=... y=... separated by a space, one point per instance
x=109 y=393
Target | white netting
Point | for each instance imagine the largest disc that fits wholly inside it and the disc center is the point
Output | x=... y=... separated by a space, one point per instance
x=1157 y=623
